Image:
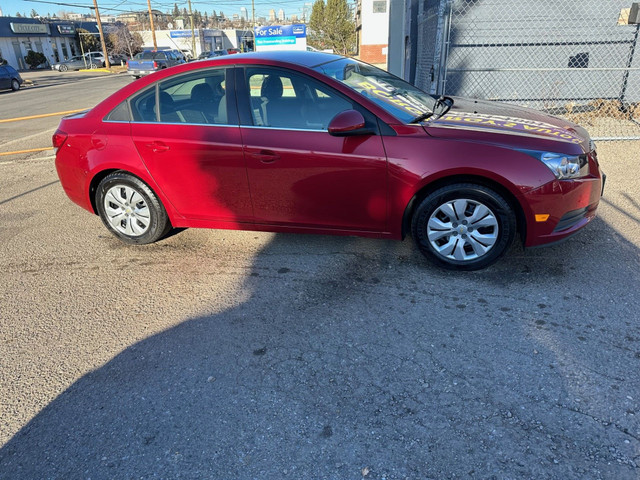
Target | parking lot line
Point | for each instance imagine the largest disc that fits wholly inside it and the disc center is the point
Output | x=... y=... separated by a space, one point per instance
x=31 y=150
x=31 y=117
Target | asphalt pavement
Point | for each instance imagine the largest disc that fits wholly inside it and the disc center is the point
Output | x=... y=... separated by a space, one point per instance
x=241 y=355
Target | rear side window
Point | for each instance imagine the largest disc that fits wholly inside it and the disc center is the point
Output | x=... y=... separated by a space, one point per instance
x=199 y=98
x=120 y=114
x=143 y=106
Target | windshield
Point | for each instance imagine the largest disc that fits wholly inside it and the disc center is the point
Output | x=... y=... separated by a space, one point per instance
x=399 y=98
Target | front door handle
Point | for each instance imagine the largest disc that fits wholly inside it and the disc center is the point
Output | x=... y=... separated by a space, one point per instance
x=266 y=156
x=157 y=147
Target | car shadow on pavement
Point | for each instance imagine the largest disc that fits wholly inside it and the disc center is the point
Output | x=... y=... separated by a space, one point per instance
x=368 y=359
x=2 y=202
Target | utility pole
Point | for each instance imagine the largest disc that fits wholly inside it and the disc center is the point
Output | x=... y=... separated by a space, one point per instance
x=107 y=63
x=193 y=33
x=153 y=30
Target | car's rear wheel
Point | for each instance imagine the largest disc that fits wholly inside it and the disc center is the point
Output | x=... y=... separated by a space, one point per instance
x=463 y=226
x=93 y=66
x=63 y=68
x=15 y=85
x=130 y=209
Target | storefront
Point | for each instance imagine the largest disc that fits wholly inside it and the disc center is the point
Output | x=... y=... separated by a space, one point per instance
x=56 y=40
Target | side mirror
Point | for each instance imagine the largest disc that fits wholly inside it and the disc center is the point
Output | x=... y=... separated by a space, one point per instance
x=347 y=123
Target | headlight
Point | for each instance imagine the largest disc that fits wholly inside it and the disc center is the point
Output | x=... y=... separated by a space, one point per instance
x=566 y=166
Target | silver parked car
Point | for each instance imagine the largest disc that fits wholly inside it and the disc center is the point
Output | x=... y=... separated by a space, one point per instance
x=75 y=63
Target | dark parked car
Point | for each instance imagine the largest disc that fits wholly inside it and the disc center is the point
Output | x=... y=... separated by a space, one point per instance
x=10 y=78
x=212 y=54
x=317 y=143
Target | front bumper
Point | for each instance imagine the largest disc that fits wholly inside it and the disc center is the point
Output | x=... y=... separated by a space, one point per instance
x=569 y=204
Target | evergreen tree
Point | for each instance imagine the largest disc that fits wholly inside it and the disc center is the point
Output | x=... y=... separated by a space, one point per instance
x=176 y=11
x=317 y=25
x=342 y=31
x=331 y=26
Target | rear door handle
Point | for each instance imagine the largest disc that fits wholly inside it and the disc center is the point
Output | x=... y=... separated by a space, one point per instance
x=266 y=156
x=157 y=147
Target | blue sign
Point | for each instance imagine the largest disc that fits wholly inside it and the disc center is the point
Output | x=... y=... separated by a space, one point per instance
x=281 y=37
x=180 y=33
x=280 y=34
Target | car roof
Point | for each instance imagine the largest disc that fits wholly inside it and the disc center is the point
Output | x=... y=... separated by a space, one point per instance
x=299 y=57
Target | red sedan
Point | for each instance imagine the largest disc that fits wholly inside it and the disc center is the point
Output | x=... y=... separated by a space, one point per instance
x=317 y=143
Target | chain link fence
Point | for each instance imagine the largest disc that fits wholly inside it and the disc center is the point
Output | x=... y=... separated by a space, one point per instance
x=577 y=59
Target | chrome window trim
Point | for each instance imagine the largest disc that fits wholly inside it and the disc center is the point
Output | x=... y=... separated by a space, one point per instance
x=220 y=125
x=284 y=128
x=178 y=124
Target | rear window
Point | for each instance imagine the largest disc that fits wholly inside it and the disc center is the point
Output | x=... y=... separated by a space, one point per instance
x=151 y=56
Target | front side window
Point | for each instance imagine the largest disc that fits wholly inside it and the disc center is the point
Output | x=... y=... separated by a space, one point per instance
x=401 y=99
x=199 y=98
x=285 y=99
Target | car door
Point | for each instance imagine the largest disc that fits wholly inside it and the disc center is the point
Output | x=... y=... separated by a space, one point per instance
x=299 y=174
x=186 y=131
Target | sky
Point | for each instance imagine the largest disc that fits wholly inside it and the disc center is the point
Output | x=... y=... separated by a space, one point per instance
x=229 y=7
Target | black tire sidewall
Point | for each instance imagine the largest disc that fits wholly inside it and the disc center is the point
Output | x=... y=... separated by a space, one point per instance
x=159 y=222
x=495 y=202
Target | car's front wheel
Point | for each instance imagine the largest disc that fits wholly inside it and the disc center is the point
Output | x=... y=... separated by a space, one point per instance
x=463 y=226
x=15 y=85
x=130 y=209
x=63 y=68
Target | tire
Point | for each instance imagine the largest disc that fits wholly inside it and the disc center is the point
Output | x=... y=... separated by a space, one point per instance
x=130 y=209
x=63 y=68
x=93 y=66
x=15 y=85
x=463 y=226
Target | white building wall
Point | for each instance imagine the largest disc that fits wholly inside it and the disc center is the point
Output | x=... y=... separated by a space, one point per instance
x=10 y=46
x=374 y=36
x=375 y=26
x=210 y=40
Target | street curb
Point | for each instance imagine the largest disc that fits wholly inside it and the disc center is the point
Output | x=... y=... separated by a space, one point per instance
x=98 y=70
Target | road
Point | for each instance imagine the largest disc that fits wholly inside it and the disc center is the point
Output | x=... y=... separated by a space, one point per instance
x=221 y=354
x=52 y=92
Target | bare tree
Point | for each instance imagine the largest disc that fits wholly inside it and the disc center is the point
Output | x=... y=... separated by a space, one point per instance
x=123 y=42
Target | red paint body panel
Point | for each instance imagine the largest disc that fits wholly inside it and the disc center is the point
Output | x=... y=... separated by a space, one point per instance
x=558 y=198
x=317 y=180
x=200 y=170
